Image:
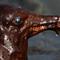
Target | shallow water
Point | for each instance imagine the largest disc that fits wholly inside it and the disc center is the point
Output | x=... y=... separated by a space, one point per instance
x=40 y=57
x=44 y=57
x=53 y=56
x=47 y=40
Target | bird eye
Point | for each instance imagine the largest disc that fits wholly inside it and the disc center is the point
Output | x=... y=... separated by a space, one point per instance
x=18 y=20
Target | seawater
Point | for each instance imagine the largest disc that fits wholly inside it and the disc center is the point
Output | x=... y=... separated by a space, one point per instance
x=44 y=57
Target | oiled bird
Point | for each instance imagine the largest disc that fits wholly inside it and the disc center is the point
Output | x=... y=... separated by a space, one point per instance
x=17 y=25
